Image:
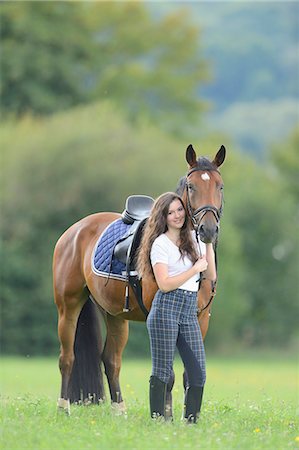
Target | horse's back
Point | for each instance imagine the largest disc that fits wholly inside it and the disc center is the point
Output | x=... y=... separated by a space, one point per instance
x=73 y=251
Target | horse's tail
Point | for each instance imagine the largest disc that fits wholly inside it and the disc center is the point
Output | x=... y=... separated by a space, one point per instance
x=86 y=381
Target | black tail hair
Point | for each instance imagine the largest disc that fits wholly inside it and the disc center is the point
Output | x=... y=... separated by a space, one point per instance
x=86 y=381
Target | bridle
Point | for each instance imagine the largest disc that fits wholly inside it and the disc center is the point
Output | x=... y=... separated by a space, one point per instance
x=197 y=216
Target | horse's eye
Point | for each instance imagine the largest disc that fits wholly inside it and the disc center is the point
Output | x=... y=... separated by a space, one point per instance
x=190 y=188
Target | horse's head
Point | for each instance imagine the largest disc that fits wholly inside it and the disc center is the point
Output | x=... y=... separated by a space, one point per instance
x=202 y=192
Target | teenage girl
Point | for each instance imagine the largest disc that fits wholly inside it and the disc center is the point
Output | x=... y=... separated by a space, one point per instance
x=169 y=251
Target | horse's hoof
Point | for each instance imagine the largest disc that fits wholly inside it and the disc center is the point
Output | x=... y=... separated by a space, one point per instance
x=64 y=406
x=118 y=408
x=168 y=413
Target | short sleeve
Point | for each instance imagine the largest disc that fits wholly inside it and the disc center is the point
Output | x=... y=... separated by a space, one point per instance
x=159 y=253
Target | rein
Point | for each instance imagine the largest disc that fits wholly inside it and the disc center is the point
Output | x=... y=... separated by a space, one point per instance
x=213 y=293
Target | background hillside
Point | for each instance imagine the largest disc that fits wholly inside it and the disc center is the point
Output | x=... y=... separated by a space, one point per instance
x=252 y=49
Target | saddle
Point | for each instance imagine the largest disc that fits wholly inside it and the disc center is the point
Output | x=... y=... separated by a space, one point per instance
x=136 y=212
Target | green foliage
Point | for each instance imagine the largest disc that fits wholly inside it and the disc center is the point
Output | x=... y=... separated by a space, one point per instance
x=247 y=404
x=285 y=156
x=56 y=55
x=272 y=302
x=262 y=267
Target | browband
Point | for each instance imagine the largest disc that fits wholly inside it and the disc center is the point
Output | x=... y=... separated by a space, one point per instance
x=196 y=169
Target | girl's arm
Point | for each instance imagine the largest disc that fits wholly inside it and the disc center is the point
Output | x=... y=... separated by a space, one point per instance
x=167 y=283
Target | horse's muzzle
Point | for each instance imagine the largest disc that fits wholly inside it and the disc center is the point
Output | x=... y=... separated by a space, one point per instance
x=208 y=233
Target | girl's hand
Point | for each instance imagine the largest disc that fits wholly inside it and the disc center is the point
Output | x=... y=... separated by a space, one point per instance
x=201 y=264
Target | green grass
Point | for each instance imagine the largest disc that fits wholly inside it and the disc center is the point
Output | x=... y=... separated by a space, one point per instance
x=248 y=404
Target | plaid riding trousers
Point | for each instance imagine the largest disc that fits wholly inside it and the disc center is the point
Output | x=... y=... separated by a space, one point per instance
x=172 y=322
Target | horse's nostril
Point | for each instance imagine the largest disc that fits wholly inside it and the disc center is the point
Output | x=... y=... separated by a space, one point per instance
x=204 y=228
x=208 y=233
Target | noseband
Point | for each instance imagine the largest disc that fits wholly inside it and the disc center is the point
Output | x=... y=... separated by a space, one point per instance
x=198 y=215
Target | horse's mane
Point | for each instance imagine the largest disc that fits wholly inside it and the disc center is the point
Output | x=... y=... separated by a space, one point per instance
x=181 y=186
x=202 y=164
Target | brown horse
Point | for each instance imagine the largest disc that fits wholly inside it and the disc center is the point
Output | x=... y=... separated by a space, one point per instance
x=88 y=303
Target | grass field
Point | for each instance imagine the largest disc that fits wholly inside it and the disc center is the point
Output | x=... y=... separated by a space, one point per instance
x=249 y=403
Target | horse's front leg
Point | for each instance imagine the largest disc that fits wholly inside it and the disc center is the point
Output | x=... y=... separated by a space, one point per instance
x=68 y=313
x=203 y=320
x=168 y=405
x=116 y=340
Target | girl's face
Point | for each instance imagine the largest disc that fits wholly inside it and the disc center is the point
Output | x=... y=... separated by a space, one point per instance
x=176 y=215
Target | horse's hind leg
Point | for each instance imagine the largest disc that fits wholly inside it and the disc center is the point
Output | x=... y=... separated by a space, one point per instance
x=117 y=337
x=69 y=309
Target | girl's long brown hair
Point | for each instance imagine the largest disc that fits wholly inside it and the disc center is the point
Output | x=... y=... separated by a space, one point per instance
x=157 y=225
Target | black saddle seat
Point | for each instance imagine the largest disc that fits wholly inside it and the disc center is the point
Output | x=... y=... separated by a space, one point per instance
x=137 y=208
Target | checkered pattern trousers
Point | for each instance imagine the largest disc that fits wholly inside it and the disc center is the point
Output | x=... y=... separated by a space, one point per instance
x=172 y=322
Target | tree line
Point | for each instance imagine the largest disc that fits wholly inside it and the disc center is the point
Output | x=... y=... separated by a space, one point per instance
x=63 y=168
x=57 y=55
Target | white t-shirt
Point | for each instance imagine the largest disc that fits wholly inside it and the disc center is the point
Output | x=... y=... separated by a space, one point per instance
x=166 y=252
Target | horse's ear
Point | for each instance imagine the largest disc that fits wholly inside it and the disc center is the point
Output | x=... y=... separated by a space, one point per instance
x=220 y=156
x=191 y=156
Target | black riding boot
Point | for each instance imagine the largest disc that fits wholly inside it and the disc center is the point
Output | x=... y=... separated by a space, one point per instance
x=157 y=397
x=193 y=398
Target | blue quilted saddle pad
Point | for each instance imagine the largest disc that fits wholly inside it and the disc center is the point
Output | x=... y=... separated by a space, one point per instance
x=103 y=261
